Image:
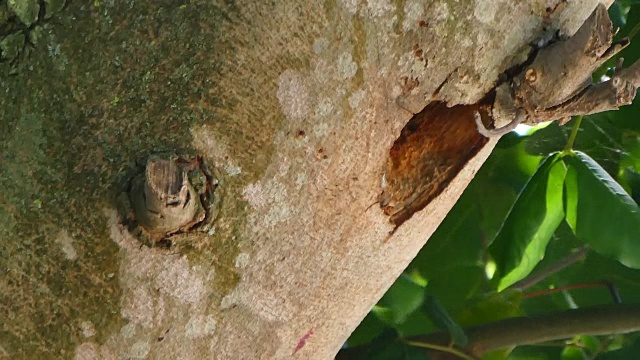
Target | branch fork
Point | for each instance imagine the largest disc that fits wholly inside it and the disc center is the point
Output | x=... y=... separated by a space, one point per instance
x=557 y=84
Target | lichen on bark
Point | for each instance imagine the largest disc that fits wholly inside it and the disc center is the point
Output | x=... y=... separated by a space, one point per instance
x=85 y=103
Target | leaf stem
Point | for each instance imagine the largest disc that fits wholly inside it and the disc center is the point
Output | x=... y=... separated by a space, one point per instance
x=447 y=349
x=572 y=138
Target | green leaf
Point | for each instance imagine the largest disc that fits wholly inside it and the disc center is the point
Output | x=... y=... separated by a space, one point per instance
x=581 y=347
x=563 y=244
x=594 y=268
x=630 y=351
x=369 y=329
x=442 y=319
x=451 y=261
x=573 y=352
x=536 y=353
x=454 y=286
x=501 y=354
x=388 y=346
x=384 y=314
x=534 y=217
x=629 y=168
x=495 y=306
x=402 y=298
x=600 y=212
x=632 y=180
x=418 y=323
x=617 y=15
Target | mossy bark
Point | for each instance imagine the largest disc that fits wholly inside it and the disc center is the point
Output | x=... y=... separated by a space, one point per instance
x=296 y=105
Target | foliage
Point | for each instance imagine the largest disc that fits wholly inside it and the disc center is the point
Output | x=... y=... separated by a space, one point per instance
x=550 y=223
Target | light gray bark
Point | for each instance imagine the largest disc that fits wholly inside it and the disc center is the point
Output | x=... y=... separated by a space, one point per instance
x=295 y=103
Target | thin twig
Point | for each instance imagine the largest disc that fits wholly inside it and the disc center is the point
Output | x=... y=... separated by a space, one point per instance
x=565 y=288
x=569 y=260
x=446 y=349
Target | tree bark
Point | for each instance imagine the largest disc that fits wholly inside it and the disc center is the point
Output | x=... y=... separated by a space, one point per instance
x=294 y=105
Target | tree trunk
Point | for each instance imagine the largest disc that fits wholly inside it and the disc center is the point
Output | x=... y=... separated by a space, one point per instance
x=294 y=108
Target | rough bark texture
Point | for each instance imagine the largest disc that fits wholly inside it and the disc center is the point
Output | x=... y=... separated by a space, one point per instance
x=297 y=105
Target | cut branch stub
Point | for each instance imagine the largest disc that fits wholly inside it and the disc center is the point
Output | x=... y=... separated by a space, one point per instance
x=170 y=196
x=564 y=68
x=163 y=200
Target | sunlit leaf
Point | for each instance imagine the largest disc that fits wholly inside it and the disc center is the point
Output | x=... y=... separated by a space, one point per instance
x=600 y=212
x=384 y=314
x=526 y=231
x=563 y=245
x=403 y=298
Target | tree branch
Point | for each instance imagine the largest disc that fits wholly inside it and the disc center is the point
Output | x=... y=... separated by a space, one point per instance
x=557 y=84
x=600 y=320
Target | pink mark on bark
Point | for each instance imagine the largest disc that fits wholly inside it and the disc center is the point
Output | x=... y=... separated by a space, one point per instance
x=303 y=340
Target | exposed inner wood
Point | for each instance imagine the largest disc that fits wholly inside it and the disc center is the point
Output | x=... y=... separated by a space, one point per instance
x=432 y=148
